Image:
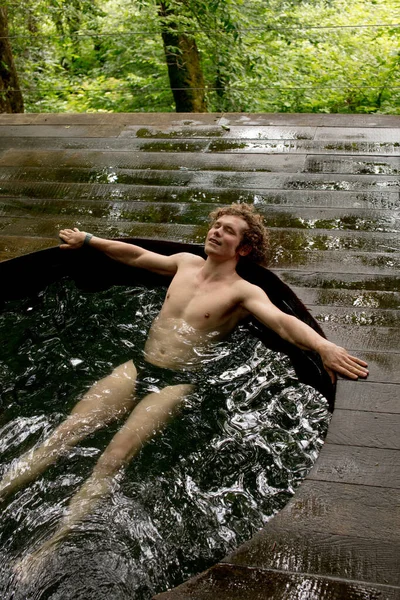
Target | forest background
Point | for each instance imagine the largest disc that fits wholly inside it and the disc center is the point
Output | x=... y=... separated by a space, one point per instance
x=333 y=56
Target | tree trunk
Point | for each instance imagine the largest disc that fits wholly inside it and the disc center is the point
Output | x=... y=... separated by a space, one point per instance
x=183 y=61
x=10 y=95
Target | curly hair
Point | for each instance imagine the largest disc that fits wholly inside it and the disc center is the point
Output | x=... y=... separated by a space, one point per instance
x=256 y=236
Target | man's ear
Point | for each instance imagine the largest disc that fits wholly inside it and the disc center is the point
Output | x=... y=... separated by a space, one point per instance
x=245 y=250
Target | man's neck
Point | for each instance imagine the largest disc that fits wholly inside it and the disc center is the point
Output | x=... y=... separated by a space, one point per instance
x=218 y=270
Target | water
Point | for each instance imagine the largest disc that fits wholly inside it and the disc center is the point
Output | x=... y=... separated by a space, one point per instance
x=218 y=472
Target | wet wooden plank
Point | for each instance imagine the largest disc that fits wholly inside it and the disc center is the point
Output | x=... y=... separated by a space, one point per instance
x=17 y=118
x=110 y=144
x=205 y=179
x=13 y=246
x=364 y=339
x=389 y=135
x=248 y=119
x=150 y=160
x=296 y=550
x=354 y=164
x=342 y=297
x=198 y=212
x=148 y=118
x=339 y=280
x=372 y=134
x=384 y=367
x=373 y=248
x=307 y=119
x=369 y=429
x=356 y=316
x=63 y=131
x=368 y=396
x=371 y=513
x=261 y=198
x=243 y=145
x=294 y=247
x=198 y=144
x=233 y=582
x=283 y=257
x=48 y=225
x=220 y=130
x=164 y=212
x=357 y=465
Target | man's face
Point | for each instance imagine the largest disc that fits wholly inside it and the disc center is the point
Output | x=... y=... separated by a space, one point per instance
x=225 y=236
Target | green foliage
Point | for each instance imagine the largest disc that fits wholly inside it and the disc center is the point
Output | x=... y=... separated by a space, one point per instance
x=257 y=56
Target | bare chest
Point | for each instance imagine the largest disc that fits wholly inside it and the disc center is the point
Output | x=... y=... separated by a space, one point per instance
x=205 y=306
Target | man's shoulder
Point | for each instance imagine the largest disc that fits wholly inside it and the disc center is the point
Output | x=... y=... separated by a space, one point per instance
x=188 y=258
x=245 y=289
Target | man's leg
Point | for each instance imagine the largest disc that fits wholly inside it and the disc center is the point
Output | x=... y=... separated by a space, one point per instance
x=147 y=418
x=108 y=399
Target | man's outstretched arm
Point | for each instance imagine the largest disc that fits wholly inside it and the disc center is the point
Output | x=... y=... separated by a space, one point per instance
x=295 y=331
x=129 y=254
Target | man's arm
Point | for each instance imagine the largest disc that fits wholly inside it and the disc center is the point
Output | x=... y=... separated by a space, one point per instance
x=129 y=254
x=334 y=358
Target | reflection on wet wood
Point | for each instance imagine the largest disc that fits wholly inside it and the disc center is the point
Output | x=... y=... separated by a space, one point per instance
x=150 y=160
x=360 y=339
x=215 y=178
x=357 y=465
x=338 y=280
x=362 y=316
x=384 y=367
x=365 y=395
x=13 y=246
x=220 y=145
x=362 y=428
x=299 y=551
x=344 y=509
x=291 y=199
x=350 y=298
x=328 y=186
x=168 y=209
x=232 y=582
x=60 y=131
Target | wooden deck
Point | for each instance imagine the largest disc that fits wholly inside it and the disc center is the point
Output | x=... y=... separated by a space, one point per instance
x=329 y=188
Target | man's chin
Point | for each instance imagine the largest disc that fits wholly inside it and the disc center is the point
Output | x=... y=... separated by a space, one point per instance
x=210 y=250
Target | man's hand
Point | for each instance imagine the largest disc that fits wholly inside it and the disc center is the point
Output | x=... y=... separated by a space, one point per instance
x=338 y=360
x=73 y=238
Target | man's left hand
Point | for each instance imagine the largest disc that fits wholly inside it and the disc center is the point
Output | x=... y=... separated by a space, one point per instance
x=338 y=360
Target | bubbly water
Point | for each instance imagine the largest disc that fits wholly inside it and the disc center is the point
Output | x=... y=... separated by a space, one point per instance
x=215 y=475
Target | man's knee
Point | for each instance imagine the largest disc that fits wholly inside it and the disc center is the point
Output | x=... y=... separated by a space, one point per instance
x=184 y=389
x=126 y=371
x=173 y=395
x=122 y=381
x=112 y=460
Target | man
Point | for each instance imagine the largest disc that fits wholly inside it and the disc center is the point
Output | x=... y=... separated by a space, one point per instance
x=204 y=302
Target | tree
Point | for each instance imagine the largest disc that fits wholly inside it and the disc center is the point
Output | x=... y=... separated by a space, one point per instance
x=11 y=100
x=222 y=55
x=183 y=62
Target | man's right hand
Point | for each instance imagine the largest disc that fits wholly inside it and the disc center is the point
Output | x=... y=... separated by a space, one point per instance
x=73 y=238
